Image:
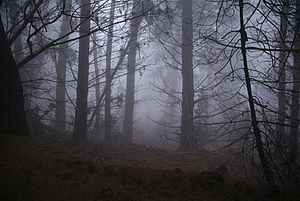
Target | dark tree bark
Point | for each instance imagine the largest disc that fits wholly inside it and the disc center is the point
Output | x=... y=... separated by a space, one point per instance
x=107 y=114
x=293 y=144
x=130 y=81
x=258 y=140
x=60 y=109
x=12 y=113
x=186 y=135
x=80 y=127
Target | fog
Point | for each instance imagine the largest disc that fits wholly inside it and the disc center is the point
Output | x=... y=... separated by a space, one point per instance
x=218 y=78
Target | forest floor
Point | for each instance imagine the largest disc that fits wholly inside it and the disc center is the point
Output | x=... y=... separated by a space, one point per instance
x=38 y=170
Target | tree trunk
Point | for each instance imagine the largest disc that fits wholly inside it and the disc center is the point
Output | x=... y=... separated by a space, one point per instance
x=80 y=127
x=60 y=109
x=281 y=138
x=107 y=115
x=130 y=81
x=293 y=145
x=186 y=137
x=12 y=113
x=100 y=99
x=96 y=129
x=28 y=72
x=18 y=53
x=259 y=144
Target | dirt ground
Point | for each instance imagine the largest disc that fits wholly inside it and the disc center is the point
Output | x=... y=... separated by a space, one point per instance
x=37 y=170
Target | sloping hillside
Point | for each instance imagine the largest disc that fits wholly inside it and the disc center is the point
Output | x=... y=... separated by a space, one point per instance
x=35 y=170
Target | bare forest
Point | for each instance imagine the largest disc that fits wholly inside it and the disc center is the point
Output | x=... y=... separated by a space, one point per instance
x=139 y=100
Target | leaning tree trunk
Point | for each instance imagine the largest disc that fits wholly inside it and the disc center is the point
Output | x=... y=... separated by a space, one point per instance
x=107 y=114
x=258 y=140
x=186 y=135
x=130 y=81
x=293 y=145
x=60 y=109
x=80 y=127
x=100 y=99
x=12 y=113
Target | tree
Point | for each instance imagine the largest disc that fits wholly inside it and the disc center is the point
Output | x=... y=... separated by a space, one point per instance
x=186 y=135
x=281 y=135
x=60 y=109
x=293 y=145
x=80 y=127
x=257 y=133
x=130 y=80
x=101 y=97
x=97 y=84
x=12 y=113
x=107 y=117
